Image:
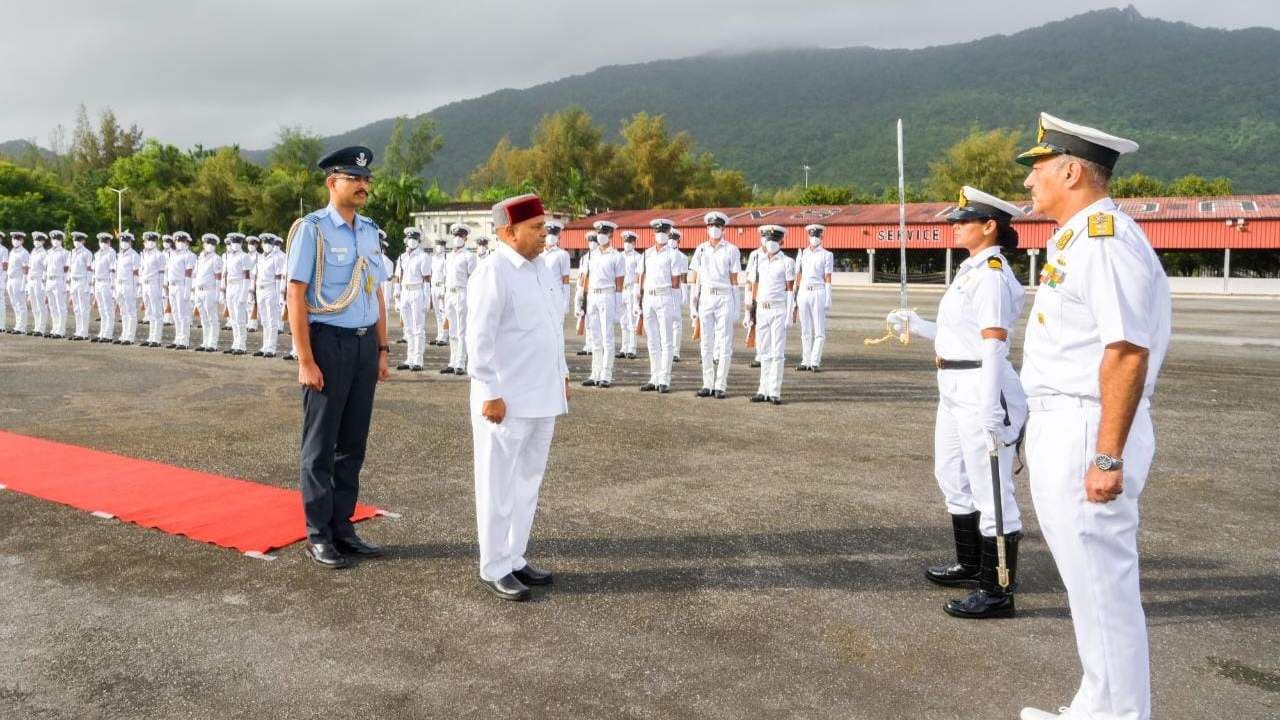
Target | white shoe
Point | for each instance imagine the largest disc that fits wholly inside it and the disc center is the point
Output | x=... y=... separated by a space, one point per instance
x=1030 y=713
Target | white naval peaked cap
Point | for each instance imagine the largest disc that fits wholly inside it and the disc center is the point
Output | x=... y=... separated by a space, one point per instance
x=715 y=216
x=460 y=228
x=815 y=226
x=768 y=230
x=977 y=205
x=605 y=226
x=629 y=236
x=1056 y=136
x=553 y=223
x=659 y=222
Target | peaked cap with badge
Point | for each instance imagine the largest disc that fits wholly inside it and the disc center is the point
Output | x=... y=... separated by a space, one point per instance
x=354 y=160
x=977 y=205
x=1059 y=137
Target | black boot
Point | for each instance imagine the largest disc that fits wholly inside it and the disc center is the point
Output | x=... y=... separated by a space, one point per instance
x=990 y=600
x=964 y=572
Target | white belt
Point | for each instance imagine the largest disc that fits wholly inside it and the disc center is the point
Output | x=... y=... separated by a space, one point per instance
x=414 y=286
x=236 y=281
x=1046 y=403
x=777 y=305
x=718 y=290
x=603 y=290
x=456 y=289
x=628 y=285
x=814 y=287
x=437 y=284
x=657 y=291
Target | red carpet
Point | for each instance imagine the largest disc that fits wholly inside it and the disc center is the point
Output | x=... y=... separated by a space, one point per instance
x=246 y=516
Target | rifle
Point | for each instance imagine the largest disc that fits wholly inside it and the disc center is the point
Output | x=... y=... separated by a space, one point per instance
x=755 y=292
x=640 y=282
x=582 y=304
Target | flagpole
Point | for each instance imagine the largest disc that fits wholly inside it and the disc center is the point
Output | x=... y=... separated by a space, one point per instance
x=902 y=225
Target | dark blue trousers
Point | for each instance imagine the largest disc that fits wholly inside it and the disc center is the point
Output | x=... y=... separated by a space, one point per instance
x=335 y=428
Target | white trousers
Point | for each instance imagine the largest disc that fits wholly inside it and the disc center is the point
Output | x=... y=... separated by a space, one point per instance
x=238 y=314
x=82 y=304
x=437 y=306
x=210 y=324
x=4 y=302
x=510 y=459
x=601 y=315
x=56 y=299
x=18 y=300
x=127 y=301
x=456 y=308
x=771 y=346
x=105 y=295
x=962 y=467
x=153 y=293
x=677 y=329
x=269 y=315
x=180 y=309
x=35 y=296
x=657 y=334
x=1095 y=546
x=627 y=319
x=813 y=325
x=413 y=314
x=716 y=313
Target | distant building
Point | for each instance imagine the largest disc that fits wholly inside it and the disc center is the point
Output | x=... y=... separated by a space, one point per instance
x=478 y=216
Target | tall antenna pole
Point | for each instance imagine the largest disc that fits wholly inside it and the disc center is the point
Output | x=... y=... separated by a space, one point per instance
x=902 y=224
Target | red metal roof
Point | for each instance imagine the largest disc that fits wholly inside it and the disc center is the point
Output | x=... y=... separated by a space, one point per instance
x=1170 y=223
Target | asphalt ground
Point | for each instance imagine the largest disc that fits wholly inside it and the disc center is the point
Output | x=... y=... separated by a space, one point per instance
x=713 y=559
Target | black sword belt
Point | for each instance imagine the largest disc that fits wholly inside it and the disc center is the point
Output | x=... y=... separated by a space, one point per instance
x=943 y=364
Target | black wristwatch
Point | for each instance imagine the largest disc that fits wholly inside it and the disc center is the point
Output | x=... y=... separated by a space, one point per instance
x=384 y=349
x=1106 y=463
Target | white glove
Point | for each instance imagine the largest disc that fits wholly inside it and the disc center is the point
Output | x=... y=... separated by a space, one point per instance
x=790 y=316
x=917 y=325
x=990 y=439
x=746 y=321
x=826 y=297
x=991 y=412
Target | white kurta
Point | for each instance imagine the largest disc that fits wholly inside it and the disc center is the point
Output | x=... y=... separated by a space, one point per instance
x=515 y=332
x=1094 y=291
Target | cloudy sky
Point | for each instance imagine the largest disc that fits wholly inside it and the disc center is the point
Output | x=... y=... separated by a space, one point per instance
x=225 y=71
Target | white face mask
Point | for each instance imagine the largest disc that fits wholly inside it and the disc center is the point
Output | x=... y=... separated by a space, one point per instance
x=629 y=245
x=37 y=243
x=715 y=232
x=772 y=246
x=551 y=240
x=814 y=241
x=147 y=245
x=124 y=245
x=411 y=244
x=603 y=241
x=78 y=243
x=660 y=238
x=209 y=247
x=17 y=244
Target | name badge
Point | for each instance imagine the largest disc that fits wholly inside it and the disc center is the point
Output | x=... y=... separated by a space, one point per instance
x=341 y=252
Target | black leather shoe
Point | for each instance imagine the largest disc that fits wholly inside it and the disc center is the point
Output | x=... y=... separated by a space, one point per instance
x=326 y=555
x=402 y=366
x=775 y=400
x=402 y=341
x=755 y=363
x=288 y=356
x=619 y=356
x=588 y=383
x=239 y=352
x=648 y=387
x=664 y=389
x=446 y=371
x=258 y=353
x=757 y=398
x=675 y=358
x=583 y=352
x=631 y=356
x=415 y=368
x=353 y=545
x=182 y=347
x=981 y=605
x=507 y=587
x=126 y=342
x=228 y=351
x=531 y=575
x=720 y=394
x=801 y=367
x=604 y=384
x=92 y=340
x=117 y=342
x=704 y=392
x=268 y=354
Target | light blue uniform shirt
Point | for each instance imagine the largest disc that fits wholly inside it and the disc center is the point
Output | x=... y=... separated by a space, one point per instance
x=341 y=248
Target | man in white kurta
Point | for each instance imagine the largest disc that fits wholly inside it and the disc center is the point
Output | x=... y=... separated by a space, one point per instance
x=1096 y=338
x=515 y=332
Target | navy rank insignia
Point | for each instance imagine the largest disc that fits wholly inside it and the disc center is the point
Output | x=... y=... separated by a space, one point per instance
x=1102 y=225
x=995 y=264
x=1065 y=239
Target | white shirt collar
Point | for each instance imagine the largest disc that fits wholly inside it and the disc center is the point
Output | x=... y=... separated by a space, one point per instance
x=1106 y=204
x=516 y=259
x=975 y=260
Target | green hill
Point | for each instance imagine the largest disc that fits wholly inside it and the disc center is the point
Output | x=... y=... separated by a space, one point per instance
x=1198 y=100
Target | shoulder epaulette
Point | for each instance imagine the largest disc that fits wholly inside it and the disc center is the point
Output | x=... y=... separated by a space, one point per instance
x=995 y=263
x=1102 y=225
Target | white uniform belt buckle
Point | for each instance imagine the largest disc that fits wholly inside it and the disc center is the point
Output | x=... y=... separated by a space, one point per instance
x=412 y=286
x=657 y=291
x=455 y=289
x=603 y=290
x=814 y=287
x=718 y=290
x=770 y=305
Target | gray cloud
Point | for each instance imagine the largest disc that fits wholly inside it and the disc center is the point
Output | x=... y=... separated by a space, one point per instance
x=227 y=71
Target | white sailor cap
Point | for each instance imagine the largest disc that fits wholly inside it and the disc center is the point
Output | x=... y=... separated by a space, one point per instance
x=77 y=235
x=234 y=237
x=628 y=236
x=977 y=205
x=815 y=229
x=1059 y=137
x=104 y=237
x=39 y=236
x=659 y=223
x=126 y=236
x=553 y=225
x=150 y=236
x=413 y=232
x=715 y=217
x=183 y=236
x=482 y=241
x=773 y=232
x=605 y=226
x=460 y=229
x=57 y=235
x=208 y=238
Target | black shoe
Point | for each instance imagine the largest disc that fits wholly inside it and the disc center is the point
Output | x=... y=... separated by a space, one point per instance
x=92 y=340
x=170 y=346
x=757 y=398
x=802 y=367
x=126 y=342
x=460 y=371
x=604 y=384
x=963 y=572
x=228 y=351
x=325 y=555
x=402 y=341
x=814 y=369
x=239 y=352
x=588 y=383
x=415 y=368
x=775 y=400
x=704 y=392
x=990 y=600
x=720 y=395
x=648 y=387
x=117 y=342
x=446 y=371
x=259 y=353
x=183 y=347
x=507 y=588
x=531 y=575
x=619 y=356
x=583 y=352
x=402 y=366
x=631 y=356
x=268 y=354
x=57 y=336
x=353 y=545
x=289 y=356
x=664 y=389
x=755 y=363
x=675 y=358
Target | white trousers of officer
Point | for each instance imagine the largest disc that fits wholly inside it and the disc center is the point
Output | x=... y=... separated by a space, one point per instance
x=455 y=306
x=180 y=309
x=716 y=312
x=153 y=293
x=56 y=297
x=4 y=302
x=81 y=304
x=127 y=300
x=602 y=308
x=35 y=296
x=962 y=466
x=238 y=313
x=1095 y=546
x=105 y=295
x=657 y=332
x=437 y=306
x=510 y=459
x=677 y=317
x=413 y=313
x=813 y=324
x=269 y=315
x=771 y=346
x=210 y=324
x=630 y=315
x=18 y=299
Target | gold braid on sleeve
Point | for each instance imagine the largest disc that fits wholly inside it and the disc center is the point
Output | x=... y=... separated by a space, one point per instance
x=348 y=295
